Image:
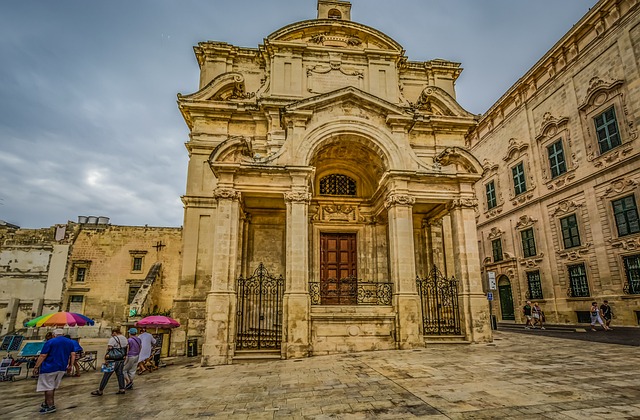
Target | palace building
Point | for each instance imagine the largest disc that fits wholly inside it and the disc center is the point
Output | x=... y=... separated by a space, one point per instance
x=558 y=218
x=330 y=203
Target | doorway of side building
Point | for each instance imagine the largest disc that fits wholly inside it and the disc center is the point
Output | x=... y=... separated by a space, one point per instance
x=338 y=269
x=506 y=299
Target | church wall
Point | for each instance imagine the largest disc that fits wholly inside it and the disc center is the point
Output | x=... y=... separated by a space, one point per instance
x=266 y=242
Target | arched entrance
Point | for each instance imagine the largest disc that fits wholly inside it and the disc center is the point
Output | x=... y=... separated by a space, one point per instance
x=506 y=299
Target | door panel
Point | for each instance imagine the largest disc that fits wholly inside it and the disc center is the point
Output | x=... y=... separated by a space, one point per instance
x=338 y=268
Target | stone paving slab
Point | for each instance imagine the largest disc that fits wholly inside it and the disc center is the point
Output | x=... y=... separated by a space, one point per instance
x=516 y=376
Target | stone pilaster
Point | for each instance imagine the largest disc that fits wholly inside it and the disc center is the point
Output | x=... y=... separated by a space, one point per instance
x=221 y=302
x=297 y=307
x=403 y=270
x=474 y=308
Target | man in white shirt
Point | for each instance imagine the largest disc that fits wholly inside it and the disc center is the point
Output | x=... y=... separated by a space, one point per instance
x=148 y=341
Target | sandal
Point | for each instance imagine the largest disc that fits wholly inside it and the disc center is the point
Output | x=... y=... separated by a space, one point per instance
x=96 y=392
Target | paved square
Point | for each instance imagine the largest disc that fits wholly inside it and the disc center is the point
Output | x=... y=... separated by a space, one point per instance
x=517 y=376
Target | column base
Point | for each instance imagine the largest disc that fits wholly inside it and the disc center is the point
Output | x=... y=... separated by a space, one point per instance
x=218 y=331
x=297 y=325
x=408 y=335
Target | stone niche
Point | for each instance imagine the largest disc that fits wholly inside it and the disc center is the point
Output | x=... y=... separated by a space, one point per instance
x=347 y=329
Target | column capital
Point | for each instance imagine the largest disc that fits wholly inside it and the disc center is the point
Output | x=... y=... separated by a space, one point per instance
x=469 y=203
x=226 y=194
x=397 y=199
x=297 y=197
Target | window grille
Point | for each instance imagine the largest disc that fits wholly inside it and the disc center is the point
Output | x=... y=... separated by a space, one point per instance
x=632 y=271
x=336 y=184
x=579 y=286
x=535 y=285
x=607 y=130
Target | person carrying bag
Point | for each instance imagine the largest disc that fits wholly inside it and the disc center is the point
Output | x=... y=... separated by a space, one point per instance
x=116 y=354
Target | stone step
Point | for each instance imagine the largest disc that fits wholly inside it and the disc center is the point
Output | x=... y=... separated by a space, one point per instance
x=548 y=327
x=256 y=356
x=445 y=339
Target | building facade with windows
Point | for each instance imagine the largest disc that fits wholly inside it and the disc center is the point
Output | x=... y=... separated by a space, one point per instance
x=558 y=216
x=115 y=274
x=326 y=173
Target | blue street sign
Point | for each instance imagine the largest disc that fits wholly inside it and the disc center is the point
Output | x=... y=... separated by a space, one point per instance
x=490 y=296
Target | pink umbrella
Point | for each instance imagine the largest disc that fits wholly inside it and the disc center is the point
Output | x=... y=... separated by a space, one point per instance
x=158 y=321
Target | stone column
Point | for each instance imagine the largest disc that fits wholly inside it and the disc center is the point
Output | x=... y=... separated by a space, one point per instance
x=474 y=308
x=221 y=300
x=297 y=304
x=403 y=271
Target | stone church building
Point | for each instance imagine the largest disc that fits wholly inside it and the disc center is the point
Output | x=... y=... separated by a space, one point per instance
x=330 y=200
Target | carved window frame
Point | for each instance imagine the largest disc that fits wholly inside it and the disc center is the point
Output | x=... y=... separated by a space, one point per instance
x=562 y=231
x=615 y=221
x=80 y=269
x=518 y=153
x=135 y=257
x=628 y=287
x=553 y=130
x=74 y=299
x=528 y=275
x=490 y=174
x=564 y=209
x=585 y=268
x=600 y=97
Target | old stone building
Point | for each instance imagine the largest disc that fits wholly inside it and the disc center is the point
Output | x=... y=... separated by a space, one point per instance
x=558 y=219
x=32 y=269
x=115 y=273
x=326 y=157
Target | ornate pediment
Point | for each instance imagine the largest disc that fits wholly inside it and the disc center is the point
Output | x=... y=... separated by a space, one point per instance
x=551 y=126
x=436 y=101
x=566 y=207
x=600 y=92
x=619 y=186
x=225 y=87
x=515 y=150
x=460 y=157
x=525 y=222
x=495 y=233
x=489 y=168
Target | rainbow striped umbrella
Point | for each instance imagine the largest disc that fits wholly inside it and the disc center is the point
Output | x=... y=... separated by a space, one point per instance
x=60 y=319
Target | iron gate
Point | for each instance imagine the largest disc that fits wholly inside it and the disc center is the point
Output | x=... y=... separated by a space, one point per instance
x=259 y=315
x=440 y=308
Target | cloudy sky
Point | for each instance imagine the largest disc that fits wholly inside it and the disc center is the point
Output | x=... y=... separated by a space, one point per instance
x=88 y=117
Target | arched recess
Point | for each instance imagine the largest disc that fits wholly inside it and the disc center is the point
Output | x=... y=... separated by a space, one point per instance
x=506 y=299
x=356 y=132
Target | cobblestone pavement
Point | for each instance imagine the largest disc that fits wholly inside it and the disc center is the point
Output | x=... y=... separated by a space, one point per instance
x=516 y=376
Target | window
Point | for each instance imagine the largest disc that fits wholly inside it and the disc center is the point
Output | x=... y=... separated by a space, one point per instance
x=625 y=213
x=570 y=233
x=137 y=264
x=491 y=195
x=81 y=273
x=578 y=281
x=336 y=184
x=133 y=290
x=557 y=163
x=519 y=183
x=76 y=303
x=607 y=130
x=334 y=14
x=535 y=286
x=496 y=246
x=632 y=270
x=528 y=243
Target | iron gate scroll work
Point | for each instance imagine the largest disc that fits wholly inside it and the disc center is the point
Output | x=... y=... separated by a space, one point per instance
x=259 y=315
x=440 y=308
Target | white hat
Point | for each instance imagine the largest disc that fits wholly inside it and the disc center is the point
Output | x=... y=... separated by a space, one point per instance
x=58 y=331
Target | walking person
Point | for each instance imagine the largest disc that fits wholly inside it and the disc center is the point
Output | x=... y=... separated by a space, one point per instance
x=526 y=310
x=595 y=314
x=538 y=316
x=116 y=346
x=131 y=364
x=607 y=313
x=148 y=341
x=56 y=358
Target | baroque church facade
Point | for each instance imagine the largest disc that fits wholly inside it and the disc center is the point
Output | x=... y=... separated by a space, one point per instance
x=327 y=177
x=558 y=214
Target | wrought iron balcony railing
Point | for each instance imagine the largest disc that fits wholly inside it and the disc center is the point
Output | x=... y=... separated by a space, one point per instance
x=350 y=291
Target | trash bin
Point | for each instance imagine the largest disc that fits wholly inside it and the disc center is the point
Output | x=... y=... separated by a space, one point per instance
x=192 y=347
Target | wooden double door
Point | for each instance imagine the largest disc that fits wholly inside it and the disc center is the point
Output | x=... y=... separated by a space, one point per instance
x=338 y=269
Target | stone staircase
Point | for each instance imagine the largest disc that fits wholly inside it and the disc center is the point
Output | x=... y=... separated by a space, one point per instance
x=431 y=340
